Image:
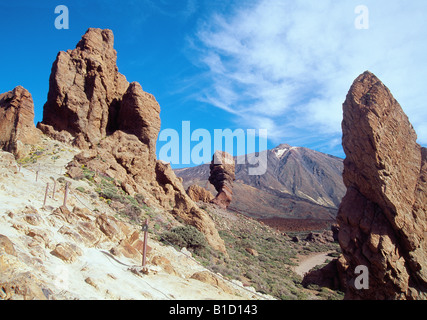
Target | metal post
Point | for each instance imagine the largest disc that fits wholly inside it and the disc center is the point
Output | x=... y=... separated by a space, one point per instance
x=54 y=189
x=144 y=252
x=37 y=172
x=65 y=194
x=45 y=195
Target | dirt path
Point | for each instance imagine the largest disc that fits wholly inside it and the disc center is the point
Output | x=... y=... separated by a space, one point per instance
x=306 y=263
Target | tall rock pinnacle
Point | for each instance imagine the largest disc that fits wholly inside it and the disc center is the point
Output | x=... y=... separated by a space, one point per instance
x=382 y=217
x=86 y=88
x=222 y=176
x=116 y=124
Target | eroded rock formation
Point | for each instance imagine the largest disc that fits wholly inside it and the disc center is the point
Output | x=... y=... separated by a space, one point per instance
x=116 y=124
x=382 y=218
x=18 y=131
x=222 y=176
x=85 y=88
x=198 y=193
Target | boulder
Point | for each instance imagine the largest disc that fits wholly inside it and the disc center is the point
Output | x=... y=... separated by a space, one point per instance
x=18 y=131
x=252 y=252
x=67 y=251
x=328 y=276
x=382 y=218
x=8 y=163
x=222 y=175
x=324 y=237
x=198 y=193
x=209 y=278
x=6 y=245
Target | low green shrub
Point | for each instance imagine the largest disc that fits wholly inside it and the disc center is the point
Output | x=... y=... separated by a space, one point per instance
x=186 y=236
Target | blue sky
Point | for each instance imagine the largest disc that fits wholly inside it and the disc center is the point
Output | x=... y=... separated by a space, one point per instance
x=285 y=66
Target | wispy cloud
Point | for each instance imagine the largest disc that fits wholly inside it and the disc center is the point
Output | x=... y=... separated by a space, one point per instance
x=288 y=65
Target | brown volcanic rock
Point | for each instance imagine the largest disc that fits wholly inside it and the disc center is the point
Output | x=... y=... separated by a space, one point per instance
x=120 y=156
x=222 y=176
x=382 y=218
x=197 y=193
x=91 y=104
x=116 y=124
x=184 y=207
x=85 y=88
x=17 y=121
x=140 y=115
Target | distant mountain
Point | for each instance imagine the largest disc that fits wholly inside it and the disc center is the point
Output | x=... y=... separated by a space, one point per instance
x=299 y=184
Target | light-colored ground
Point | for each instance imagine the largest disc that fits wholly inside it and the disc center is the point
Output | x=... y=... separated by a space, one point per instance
x=109 y=279
x=306 y=263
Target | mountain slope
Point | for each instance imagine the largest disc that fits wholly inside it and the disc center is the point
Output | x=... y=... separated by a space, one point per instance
x=298 y=183
x=86 y=250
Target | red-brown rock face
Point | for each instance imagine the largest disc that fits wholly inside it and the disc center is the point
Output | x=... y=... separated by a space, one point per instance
x=222 y=176
x=91 y=104
x=17 y=121
x=198 y=193
x=116 y=124
x=85 y=88
x=382 y=217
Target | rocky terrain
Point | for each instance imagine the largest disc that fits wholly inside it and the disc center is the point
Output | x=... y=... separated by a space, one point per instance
x=92 y=248
x=74 y=195
x=300 y=184
x=87 y=250
x=75 y=192
x=116 y=124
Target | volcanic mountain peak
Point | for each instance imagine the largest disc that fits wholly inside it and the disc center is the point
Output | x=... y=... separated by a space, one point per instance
x=298 y=183
x=281 y=149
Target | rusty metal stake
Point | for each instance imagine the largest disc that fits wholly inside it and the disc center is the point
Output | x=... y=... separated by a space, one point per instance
x=45 y=195
x=65 y=194
x=144 y=252
x=37 y=175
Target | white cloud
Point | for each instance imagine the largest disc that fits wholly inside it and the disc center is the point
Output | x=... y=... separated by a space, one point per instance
x=289 y=64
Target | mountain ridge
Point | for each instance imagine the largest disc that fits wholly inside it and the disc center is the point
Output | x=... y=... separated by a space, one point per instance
x=299 y=183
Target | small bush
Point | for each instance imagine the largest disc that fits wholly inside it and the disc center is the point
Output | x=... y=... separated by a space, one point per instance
x=187 y=236
x=132 y=212
x=81 y=189
x=140 y=199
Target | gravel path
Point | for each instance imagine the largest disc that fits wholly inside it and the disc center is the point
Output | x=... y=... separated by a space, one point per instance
x=306 y=263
